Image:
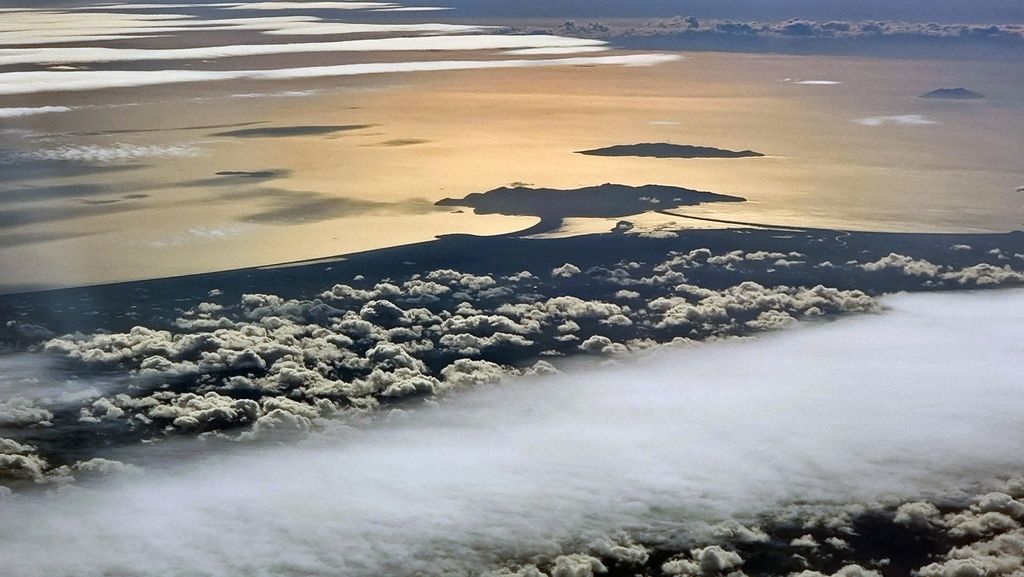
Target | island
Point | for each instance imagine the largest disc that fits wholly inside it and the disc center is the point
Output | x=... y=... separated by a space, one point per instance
x=952 y=94
x=667 y=150
x=602 y=201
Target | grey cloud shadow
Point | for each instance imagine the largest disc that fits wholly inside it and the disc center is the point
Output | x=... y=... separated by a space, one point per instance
x=286 y=131
x=33 y=169
x=68 y=191
x=400 y=142
x=101 y=202
x=226 y=178
x=169 y=129
x=17 y=217
x=12 y=239
x=285 y=207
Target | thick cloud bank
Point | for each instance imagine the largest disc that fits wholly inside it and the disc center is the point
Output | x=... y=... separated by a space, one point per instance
x=78 y=80
x=916 y=399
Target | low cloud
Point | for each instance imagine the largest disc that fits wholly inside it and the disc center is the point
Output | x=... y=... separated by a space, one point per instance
x=198 y=234
x=798 y=36
x=120 y=152
x=517 y=44
x=52 y=81
x=20 y=112
x=541 y=467
x=897 y=120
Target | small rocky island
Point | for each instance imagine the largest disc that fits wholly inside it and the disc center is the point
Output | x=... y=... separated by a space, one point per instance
x=666 y=150
x=952 y=94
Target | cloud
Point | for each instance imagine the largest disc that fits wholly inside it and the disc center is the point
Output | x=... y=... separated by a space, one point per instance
x=546 y=465
x=120 y=152
x=898 y=120
x=545 y=50
x=20 y=112
x=34 y=27
x=798 y=36
x=12 y=83
x=309 y=5
x=532 y=44
x=198 y=234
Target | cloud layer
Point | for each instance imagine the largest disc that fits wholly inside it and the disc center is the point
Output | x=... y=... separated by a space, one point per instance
x=902 y=403
x=800 y=36
x=80 y=55
x=53 y=81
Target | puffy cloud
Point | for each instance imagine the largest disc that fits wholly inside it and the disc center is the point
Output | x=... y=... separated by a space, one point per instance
x=472 y=345
x=847 y=571
x=466 y=372
x=971 y=524
x=749 y=299
x=577 y=565
x=104 y=467
x=984 y=275
x=22 y=412
x=769 y=320
x=565 y=271
x=621 y=549
x=904 y=264
x=206 y=412
x=735 y=532
x=602 y=345
x=1002 y=555
x=997 y=502
x=22 y=467
x=703 y=562
x=918 y=514
x=805 y=541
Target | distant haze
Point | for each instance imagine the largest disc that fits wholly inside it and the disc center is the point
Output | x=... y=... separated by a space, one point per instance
x=978 y=11
x=988 y=11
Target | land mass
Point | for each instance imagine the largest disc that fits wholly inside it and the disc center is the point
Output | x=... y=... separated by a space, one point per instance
x=952 y=94
x=602 y=201
x=667 y=150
